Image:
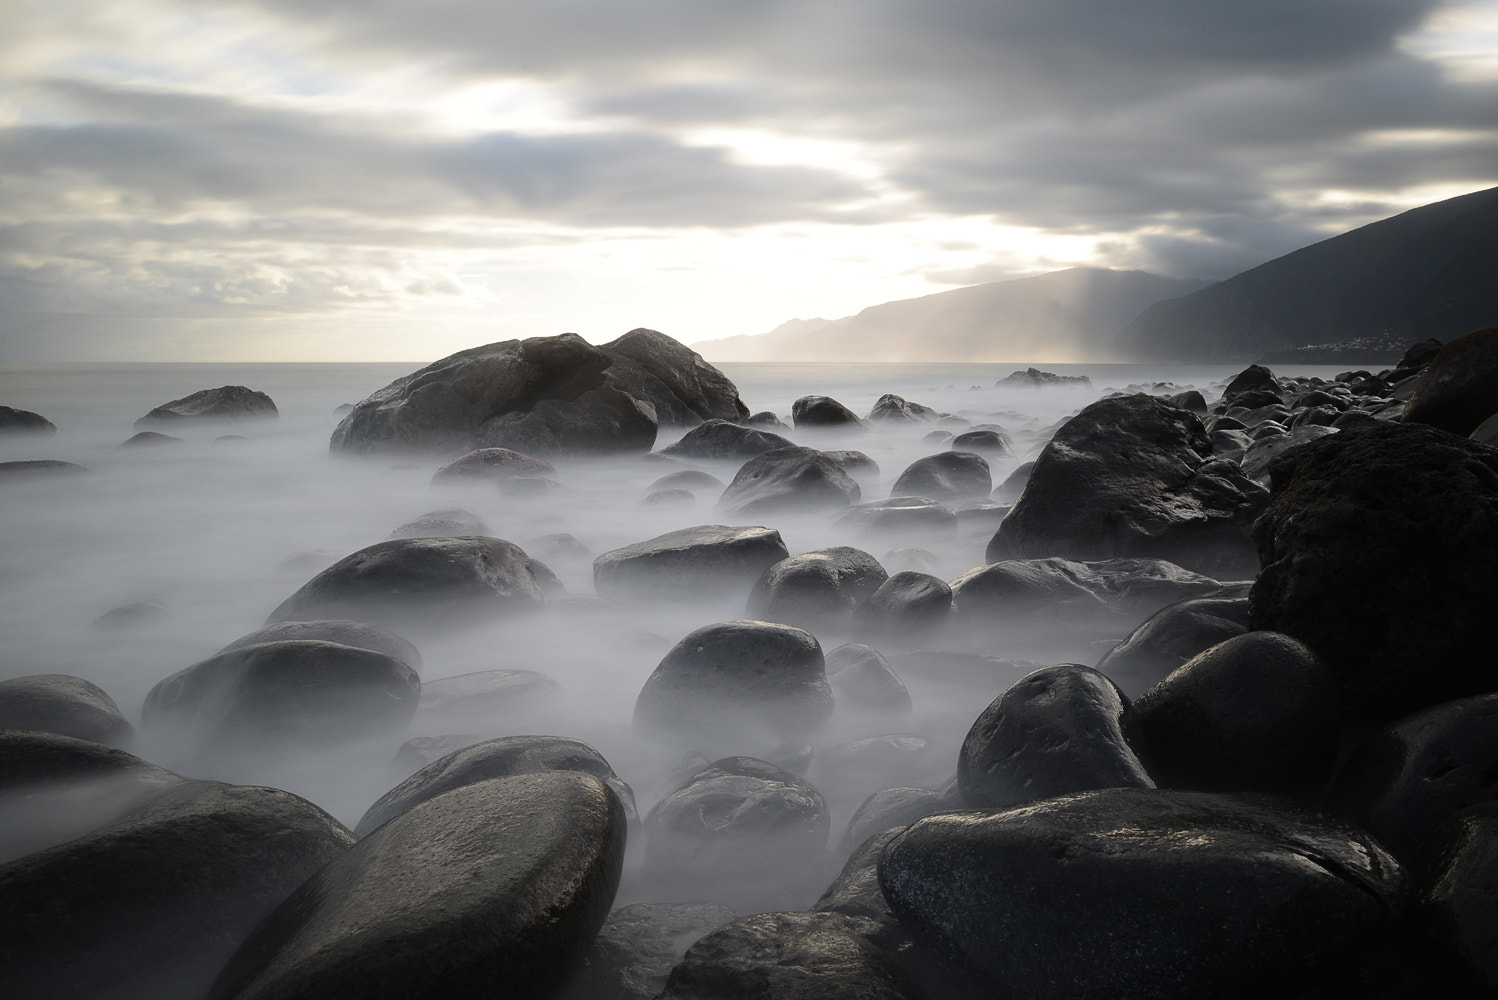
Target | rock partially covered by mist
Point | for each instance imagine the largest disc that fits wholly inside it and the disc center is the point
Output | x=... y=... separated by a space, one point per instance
x=790 y=956
x=816 y=588
x=1414 y=774
x=14 y=421
x=446 y=522
x=493 y=464
x=1371 y=553
x=487 y=700
x=740 y=831
x=1173 y=635
x=273 y=695
x=737 y=680
x=688 y=564
x=497 y=758
x=421 y=583
x=229 y=402
x=1055 y=731
x=543 y=396
x=793 y=478
x=823 y=412
x=897 y=408
x=1460 y=388
x=54 y=788
x=639 y=945
x=885 y=812
x=348 y=633
x=910 y=609
x=900 y=517
x=39 y=468
x=154 y=903
x=947 y=475
x=1142 y=892
x=1256 y=713
x=1133 y=476
x=63 y=704
x=862 y=681
x=1034 y=378
x=723 y=439
x=493 y=889
x=984 y=441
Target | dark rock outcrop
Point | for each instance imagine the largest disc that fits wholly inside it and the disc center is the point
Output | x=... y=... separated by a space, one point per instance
x=908 y=610
x=946 y=476
x=347 y=633
x=62 y=704
x=37 y=468
x=892 y=407
x=793 y=478
x=1171 y=636
x=688 y=563
x=815 y=588
x=14 y=421
x=493 y=464
x=822 y=411
x=723 y=439
x=639 y=945
x=229 y=402
x=862 y=681
x=1034 y=378
x=1460 y=388
x=448 y=522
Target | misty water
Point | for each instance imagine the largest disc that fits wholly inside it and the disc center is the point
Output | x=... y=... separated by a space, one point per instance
x=220 y=531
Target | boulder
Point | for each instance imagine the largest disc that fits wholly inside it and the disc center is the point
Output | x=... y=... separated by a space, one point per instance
x=37 y=468
x=1254 y=377
x=687 y=479
x=725 y=440
x=149 y=439
x=1133 y=476
x=484 y=699
x=910 y=609
x=493 y=889
x=1173 y=635
x=449 y=522
x=1142 y=892
x=847 y=773
x=822 y=411
x=897 y=408
x=860 y=466
x=946 y=476
x=14 y=421
x=737 y=679
x=1460 y=388
x=1256 y=713
x=862 y=681
x=1034 y=378
x=497 y=758
x=1405 y=505
x=816 y=588
x=229 y=402
x=890 y=809
x=741 y=831
x=347 y=633
x=491 y=464
x=1056 y=731
x=899 y=516
x=983 y=441
x=689 y=563
x=639 y=945
x=274 y=695
x=69 y=706
x=1457 y=910
x=154 y=903
x=1261 y=452
x=420 y=583
x=785 y=479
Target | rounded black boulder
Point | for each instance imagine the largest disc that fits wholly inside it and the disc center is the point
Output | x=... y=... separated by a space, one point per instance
x=688 y=564
x=1409 y=507
x=946 y=476
x=63 y=704
x=1170 y=637
x=229 y=402
x=420 y=583
x=1142 y=893
x=14 y=421
x=154 y=903
x=1057 y=730
x=278 y=694
x=822 y=411
x=1457 y=909
x=724 y=439
x=492 y=465
x=347 y=633
x=815 y=588
x=493 y=889
x=1257 y=713
x=739 y=679
x=497 y=758
x=908 y=610
x=862 y=681
x=785 y=479
x=639 y=945
x=1460 y=388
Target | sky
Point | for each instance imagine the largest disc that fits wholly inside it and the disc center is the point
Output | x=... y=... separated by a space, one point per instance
x=321 y=180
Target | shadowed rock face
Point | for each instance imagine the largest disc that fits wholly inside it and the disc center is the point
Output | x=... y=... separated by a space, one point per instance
x=688 y=563
x=543 y=396
x=229 y=402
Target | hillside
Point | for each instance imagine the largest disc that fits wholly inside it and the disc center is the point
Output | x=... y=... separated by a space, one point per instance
x=1428 y=272
x=1061 y=316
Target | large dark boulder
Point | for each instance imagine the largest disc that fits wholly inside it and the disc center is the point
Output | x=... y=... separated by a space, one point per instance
x=154 y=903
x=543 y=396
x=493 y=889
x=59 y=703
x=816 y=588
x=347 y=633
x=723 y=439
x=946 y=476
x=689 y=563
x=1056 y=731
x=1133 y=476
x=290 y=693
x=909 y=610
x=420 y=583
x=229 y=402
x=639 y=945
x=822 y=411
x=446 y=522
x=1142 y=893
x=1173 y=635
x=793 y=478
x=1371 y=550
x=737 y=679
x=1460 y=388
x=497 y=758
x=741 y=831
x=14 y=421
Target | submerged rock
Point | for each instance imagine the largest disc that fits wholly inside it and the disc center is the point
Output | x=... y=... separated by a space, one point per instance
x=14 y=421
x=724 y=439
x=791 y=478
x=492 y=464
x=62 y=704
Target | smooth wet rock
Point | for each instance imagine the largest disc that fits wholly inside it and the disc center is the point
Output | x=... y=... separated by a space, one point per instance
x=492 y=698
x=896 y=408
x=1254 y=377
x=154 y=903
x=347 y=633
x=639 y=945
x=1460 y=388
x=63 y=704
x=902 y=516
x=1173 y=635
x=1256 y=713
x=890 y=809
x=1457 y=908
x=149 y=439
x=786 y=479
x=493 y=889
x=862 y=681
x=909 y=609
x=14 y=421
x=740 y=831
x=229 y=402
x=847 y=773
x=1009 y=490
x=275 y=695
x=688 y=564
x=1368 y=558
x=448 y=522
x=816 y=588
x=946 y=476
x=496 y=758
x=856 y=464
x=739 y=678
x=421 y=583
x=491 y=465
x=1133 y=476
x=991 y=443
x=1034 y=378
x=1257 y=458
x=1142 y=893
x=822 y=411
x=1055 y=731
x=725 y=440
x=1410 y=776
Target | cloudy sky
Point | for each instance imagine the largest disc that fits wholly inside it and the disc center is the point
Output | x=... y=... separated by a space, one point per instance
x=393 y=180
